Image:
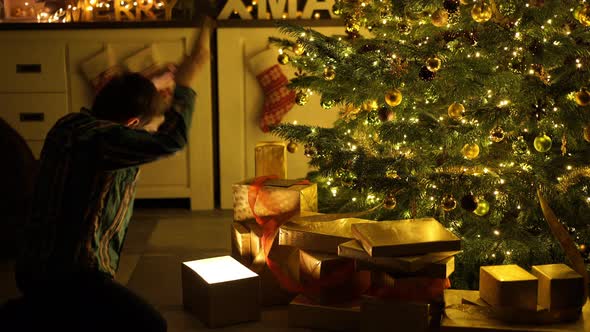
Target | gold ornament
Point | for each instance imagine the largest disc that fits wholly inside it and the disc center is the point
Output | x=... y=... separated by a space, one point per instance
x=497 y=135
x=449 y=203
x=542 y=143
x=440 y=18
x=456 y=111
x=483 y=207
x=481 y=12
x=389 y=202
x=329 y=73
x=298 y=49
x=391 y=174
x=370 y=105
x=433 y=64
x=292 y=147
x=393 y=97
x=582 y=98
x=301 y=98
x=283 y=58
x=327 y=104
x=470 y=151
x=584 y=15
x=587 y=134
x=310 y=151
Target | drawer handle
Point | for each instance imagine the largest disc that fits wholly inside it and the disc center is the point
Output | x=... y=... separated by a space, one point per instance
x=32 y=117
x=22 y=68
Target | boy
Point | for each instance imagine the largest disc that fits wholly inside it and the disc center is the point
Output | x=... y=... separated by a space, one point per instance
x=84 y=197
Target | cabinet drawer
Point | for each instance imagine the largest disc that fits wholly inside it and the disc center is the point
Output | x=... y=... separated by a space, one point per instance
x=168 y=171
x=33 y=114
x=33 y=66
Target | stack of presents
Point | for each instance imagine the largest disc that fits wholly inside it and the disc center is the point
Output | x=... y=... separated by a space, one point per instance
x=348 y=274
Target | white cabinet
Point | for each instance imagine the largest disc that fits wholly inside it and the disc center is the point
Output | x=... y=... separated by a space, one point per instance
x=41 y=80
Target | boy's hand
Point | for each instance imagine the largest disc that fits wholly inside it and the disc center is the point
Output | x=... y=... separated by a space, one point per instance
x=192 y=65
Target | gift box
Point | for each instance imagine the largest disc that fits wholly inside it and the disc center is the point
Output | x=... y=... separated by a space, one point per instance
x=404 y=264
x=220 y=291
x=441 y=269
x=324 y=236
x=240 y=243
x=316 y=265
x=405 y=237
x=377 y=314
x=271 y=159
x=508 y=286
x=465 y=311
x=559 y=286
x=275 y=197
x=303 y=313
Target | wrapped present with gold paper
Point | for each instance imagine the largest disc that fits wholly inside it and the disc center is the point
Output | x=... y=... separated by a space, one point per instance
x=416 y=289
x=466 y=311
x=240 y=243
x=405 y=316
x=272 y=291
x=434 y=265
x=441 y=269
x=405 y=237
x=508 y=286
x=273 y=197
x=560 y=286
x=271 y=159
x=304 y=313
x=327 y=278
x=321 y=236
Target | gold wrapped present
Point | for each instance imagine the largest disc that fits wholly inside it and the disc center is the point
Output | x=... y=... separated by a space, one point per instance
x=377 y=314
x=275 y=197
x=271 y=159
x=402 y=264
x=405 y=237
x=466 y=312
x=220 y=291
x=240 y=243
x=559 y=286
x=303 y=313
x=508 y=286
x=324 y=236
x=319 y=265
x=441 y=269
x=272 y=292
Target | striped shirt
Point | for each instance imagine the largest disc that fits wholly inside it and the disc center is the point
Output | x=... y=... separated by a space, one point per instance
x=85 y=190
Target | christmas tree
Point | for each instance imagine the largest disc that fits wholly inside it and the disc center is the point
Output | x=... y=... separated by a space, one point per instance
x=455 y=109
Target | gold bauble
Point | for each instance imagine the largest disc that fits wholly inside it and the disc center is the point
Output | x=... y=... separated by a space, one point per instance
x=370 y=105
x=584 y=15
x=301 y=98
x=433 y=64
x=391 y=174
x=582 y=98
x=393 y=97
x=389 y=202
x=440 y=18
x=298 y=49
x=587 y=134
x=470 y=151
x=542 y=143
x=456 y=111
x=292 y=147
x=329 y=73
x=497 y=135
x=483 y=207
x=449 y=203
x=481 y=12
x=283 y=58
x=327 y=103
x=310 y=151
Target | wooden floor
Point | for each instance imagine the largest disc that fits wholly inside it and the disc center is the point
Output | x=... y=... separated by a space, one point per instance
x=157 y=242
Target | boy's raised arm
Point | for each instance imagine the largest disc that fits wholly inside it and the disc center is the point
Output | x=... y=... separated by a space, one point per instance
x=193 y=63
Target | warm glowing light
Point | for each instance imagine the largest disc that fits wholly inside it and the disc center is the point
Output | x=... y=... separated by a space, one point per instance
x=220 y=269
x=496 y=232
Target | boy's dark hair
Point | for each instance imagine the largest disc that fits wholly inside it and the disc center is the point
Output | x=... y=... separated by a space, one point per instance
x=127 y=96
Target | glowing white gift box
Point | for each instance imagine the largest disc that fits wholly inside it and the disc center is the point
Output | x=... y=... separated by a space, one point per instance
x=220 y=291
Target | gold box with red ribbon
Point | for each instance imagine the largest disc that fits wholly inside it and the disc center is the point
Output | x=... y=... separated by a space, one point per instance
x=273 y=197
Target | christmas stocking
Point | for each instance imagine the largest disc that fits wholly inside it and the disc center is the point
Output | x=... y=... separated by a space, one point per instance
x=101 y=68
x=278 y=99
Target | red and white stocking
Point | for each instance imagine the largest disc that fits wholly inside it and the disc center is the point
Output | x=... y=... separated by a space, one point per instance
x=278 y=98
